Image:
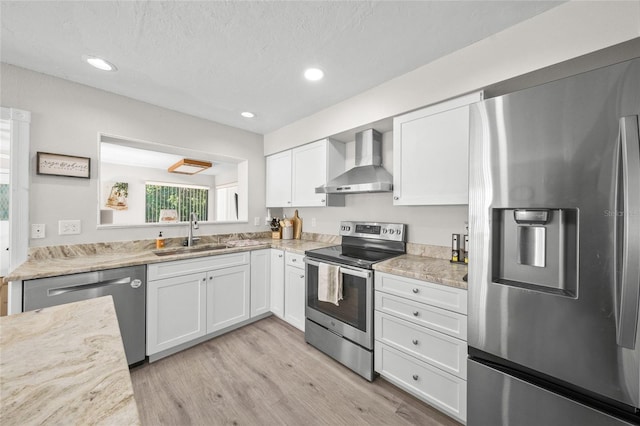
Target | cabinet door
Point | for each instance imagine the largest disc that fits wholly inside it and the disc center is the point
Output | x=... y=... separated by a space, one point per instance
x=277 y=282
x=294 y=297
x=176 y=311
x=278 y=179
x=260 y=282
x=228 y=297
x=309 y=164
x=444 y=391
x=430 y=150
x=314 y=165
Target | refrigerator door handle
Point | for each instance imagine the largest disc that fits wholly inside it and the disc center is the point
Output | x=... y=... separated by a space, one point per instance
x=630 y=247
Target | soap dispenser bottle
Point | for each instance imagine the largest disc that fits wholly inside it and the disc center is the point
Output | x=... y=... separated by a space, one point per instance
x=160 y=241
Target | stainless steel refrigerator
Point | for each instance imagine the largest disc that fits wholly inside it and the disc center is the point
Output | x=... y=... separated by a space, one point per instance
x=554 y=278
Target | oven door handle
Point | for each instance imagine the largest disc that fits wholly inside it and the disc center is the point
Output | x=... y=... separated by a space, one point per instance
x=360 y=273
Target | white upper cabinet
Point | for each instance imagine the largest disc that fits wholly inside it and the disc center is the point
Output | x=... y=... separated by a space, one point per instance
x=430 y=154
x=314 y=165
x=279 y=179
x=293 y=175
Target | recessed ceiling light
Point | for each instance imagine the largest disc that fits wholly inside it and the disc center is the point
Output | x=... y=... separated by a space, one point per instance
x=100 y=63
x=313 y=74
x=247 y=114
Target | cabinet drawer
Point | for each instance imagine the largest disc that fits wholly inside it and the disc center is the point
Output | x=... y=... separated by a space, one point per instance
x=448 y=322
x=176 y=268
x=442 y=296
x=294 y=259
x=434 y=386
x=439 y=350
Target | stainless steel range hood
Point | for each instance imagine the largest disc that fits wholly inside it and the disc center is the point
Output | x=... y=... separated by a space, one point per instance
x=368 y=175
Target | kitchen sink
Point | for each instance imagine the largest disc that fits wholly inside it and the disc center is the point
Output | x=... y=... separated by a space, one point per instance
x=185 y=250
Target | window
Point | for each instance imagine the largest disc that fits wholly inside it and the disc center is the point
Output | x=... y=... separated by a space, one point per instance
x=182 y=198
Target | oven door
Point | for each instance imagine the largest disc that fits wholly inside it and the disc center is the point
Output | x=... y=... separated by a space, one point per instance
x=353 y=318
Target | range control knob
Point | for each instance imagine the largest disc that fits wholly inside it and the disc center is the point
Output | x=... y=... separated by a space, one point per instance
x=391 y=231
x=384 y=231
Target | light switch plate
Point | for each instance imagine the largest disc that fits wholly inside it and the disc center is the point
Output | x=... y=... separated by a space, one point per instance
x=37 y=230
x=256 y=221
x=69 y=227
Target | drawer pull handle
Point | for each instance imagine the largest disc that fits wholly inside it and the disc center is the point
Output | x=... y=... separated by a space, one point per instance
x=415 y=341
x=279 y=255
x=415 y=290
x=294 y=260
x=415 y=377
x=416 y=313
x=301 y=276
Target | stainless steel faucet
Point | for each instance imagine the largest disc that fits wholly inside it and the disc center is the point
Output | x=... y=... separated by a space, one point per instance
x=193 y=224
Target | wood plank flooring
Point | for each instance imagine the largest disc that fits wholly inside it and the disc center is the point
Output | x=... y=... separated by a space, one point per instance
x=265 y=374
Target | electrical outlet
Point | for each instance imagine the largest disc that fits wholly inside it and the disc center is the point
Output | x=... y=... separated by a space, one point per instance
x=37 y=230
x=313 y=222
x=68 y=227
x=256 y=221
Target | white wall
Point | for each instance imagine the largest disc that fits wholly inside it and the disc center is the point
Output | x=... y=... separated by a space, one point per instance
x=560 y=34
x=67 y=117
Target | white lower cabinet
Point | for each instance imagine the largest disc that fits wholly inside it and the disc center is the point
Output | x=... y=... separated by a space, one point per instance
x=190 y=299
x=260 y=282
x=228 y=297
x=288 y=287
x=294 y=290
x=277 y=282
x=176 y=311
x=444 y=391
x=420 y=340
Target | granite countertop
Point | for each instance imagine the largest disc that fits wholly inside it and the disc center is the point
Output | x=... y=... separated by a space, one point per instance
x=439 y=271
x=65 y=365
x=71 y=261
x=422 y=262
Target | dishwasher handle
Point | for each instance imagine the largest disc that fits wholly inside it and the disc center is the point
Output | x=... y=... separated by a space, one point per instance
x=62 y=290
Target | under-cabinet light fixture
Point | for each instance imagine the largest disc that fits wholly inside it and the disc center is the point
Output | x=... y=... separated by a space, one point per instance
x=187 y=166
x=247 y=114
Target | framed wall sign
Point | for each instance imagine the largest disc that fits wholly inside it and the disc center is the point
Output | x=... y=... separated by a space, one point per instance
x=63 y=165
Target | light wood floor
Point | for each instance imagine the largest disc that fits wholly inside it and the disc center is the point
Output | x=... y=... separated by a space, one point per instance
x=265 y=374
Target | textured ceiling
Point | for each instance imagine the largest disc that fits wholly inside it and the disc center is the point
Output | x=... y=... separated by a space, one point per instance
x=215 y=59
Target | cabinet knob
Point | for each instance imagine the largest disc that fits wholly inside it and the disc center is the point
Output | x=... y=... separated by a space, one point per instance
x=416 y=313
x=210 y=278
x=301 y=276
x=288 y=202
x=415 y=341
x=415 y=377
x=415 y=290
x=395 y=197
x=294 y=260
x=204 y=280
x=279 y=255
x=322 y=201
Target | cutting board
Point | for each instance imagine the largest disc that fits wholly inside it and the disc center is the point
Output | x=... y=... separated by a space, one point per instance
x=297 y=225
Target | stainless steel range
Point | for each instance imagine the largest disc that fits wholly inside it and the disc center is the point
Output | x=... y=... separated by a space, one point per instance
x=343 y=328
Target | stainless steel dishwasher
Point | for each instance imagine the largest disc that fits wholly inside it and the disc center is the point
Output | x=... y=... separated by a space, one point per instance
x=127 y=286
